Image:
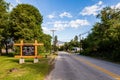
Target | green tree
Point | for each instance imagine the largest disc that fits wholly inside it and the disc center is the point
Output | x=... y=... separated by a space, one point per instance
x=76 y=43
x=104 y=40
x=68 y=46
x=26 y=22
x=76 y=38
x=55 y=43
x=4 y=24
x=47 y=42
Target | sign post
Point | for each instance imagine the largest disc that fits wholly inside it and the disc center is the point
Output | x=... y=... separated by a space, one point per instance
x=28 y=50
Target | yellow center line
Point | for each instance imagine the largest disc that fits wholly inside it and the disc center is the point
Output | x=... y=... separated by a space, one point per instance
x=113 y=75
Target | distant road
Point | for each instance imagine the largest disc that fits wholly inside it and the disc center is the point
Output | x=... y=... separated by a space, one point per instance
x=76 y=67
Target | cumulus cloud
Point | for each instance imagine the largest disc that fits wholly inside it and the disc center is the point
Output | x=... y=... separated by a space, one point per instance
x=51 y=16
x=61 y=25
x=18 y=1
x=46 y=30
x=92 y=10
x=116 y=6
x=100 y=3
x=78 y=23
x=65 y=14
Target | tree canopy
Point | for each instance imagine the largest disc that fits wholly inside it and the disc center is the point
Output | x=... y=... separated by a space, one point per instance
x=4 y=22
x=26 y=22
x=68 y=46
x=104 y=40
x=23 y=22
x=3 y=18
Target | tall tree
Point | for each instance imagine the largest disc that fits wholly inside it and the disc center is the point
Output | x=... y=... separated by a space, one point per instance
x=55 y=43
x=76 y=38
x=4 y=23
x=47 y=42
x=26 y=22
x=76 y=43
x=104 y=40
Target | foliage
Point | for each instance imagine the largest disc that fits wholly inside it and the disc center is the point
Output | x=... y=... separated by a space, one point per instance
x=55 y=43
x=26 y=22
x=104 y=40
x=23 y=22
x=47 y=42
x=4 y=22
x=68 y=46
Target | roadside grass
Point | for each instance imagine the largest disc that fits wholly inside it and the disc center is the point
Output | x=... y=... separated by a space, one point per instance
x=26 y=71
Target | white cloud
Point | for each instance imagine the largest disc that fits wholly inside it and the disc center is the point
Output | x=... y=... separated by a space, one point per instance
x=46 y=30
x=92 y=10
x=51 y=16
x=116 y=6
x=18 y=1
x=61 y=25
x=78 y=23
x=65 y=14
x=100 y=3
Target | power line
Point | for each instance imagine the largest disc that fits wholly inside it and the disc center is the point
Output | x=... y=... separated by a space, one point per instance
x=81 y=38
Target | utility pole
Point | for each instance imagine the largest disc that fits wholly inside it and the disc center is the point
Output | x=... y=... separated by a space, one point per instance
x=53 y=31
x=80 y=43
x=81 y=39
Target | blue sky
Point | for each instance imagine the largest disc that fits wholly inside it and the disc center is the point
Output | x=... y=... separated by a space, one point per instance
x=68 y=17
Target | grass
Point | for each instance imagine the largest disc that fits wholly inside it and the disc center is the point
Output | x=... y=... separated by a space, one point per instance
x=26 y=71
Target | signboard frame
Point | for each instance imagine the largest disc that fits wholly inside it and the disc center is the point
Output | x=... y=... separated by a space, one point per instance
x=21 y=44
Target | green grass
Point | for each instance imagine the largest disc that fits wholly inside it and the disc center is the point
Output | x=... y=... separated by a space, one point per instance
x=26 y=71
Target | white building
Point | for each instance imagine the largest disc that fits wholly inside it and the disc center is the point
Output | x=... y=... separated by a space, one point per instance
x=60 y=43
x=76 y=49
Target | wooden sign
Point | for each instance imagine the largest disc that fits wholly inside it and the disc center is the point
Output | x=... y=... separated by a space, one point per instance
x=28 y=50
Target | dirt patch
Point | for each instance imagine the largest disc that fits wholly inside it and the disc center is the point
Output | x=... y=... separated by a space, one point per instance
x=13 y=70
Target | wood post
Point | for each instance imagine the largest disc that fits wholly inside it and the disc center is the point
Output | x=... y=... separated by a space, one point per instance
x=35 y=56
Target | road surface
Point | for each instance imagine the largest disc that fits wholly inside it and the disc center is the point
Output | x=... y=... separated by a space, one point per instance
x=76 y=67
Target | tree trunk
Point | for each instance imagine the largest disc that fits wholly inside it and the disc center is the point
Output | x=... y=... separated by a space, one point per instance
x=6 y=48
x=0 y=50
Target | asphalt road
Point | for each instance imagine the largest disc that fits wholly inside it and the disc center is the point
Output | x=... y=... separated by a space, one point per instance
x=76 y=67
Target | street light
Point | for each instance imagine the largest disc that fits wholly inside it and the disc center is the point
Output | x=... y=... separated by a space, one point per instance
x=53 y=30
